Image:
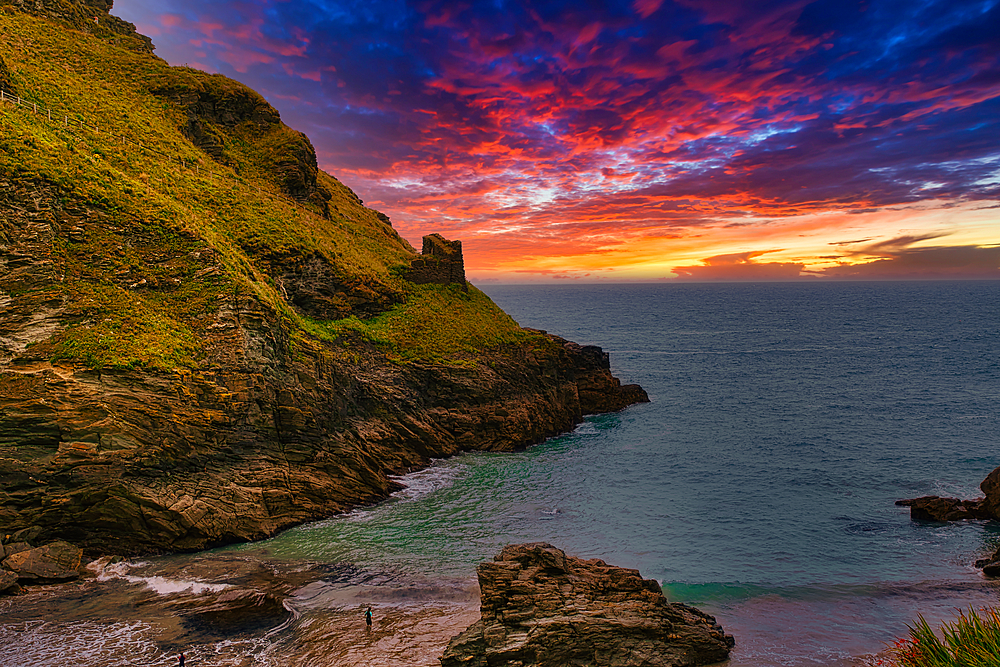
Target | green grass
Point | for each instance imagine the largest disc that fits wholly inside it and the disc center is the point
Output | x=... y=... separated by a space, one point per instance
x=158 y=215
x=436 y=323
x=973 y=640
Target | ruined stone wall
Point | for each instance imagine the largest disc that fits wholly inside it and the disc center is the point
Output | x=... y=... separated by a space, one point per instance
x=440 y=262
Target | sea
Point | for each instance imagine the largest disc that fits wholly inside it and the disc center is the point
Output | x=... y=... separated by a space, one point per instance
x=785 y=419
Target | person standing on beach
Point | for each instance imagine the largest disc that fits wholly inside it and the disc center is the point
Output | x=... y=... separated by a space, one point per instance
x=368 y=618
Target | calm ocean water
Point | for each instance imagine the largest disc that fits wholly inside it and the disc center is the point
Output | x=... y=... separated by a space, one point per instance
x=758 y=484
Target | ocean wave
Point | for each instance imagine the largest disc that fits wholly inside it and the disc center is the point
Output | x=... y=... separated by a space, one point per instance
x=424 y=482
x=106 y=570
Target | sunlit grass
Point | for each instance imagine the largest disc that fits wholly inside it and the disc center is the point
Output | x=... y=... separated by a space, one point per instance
x=973 y=640
x=439 y=323
x=104 y=141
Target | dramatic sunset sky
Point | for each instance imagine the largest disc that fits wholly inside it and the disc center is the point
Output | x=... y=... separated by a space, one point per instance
x=639 y=139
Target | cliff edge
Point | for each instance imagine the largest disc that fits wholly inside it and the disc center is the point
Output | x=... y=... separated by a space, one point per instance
x=204 y=338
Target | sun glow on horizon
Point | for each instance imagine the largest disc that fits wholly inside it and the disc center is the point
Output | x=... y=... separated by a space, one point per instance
x=676 y=139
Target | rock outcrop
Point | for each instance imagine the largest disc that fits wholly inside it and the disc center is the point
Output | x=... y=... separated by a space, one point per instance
x=214 y=106
x=22 y=564
x=440 y=262
x=184 y=363
x=935 y=508
x=545 y=609
x=57 y=561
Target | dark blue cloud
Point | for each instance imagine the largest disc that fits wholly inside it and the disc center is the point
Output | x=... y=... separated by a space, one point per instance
x=786 y=105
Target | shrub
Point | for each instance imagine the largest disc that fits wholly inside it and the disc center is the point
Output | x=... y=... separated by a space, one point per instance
x=971 y=641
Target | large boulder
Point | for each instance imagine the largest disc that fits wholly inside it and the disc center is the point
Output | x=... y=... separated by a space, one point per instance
x=8 y=581
x=58 y=561
x=543 y=608
x=991 y=488
x=935 y=508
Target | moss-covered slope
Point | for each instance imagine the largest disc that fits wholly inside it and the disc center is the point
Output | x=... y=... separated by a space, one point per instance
x=203 y=337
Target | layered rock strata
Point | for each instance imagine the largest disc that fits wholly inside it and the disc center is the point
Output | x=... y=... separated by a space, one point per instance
x=440 y=262
x=543 y=608
x=22 y=564
x=136 y=461
x=263 y=433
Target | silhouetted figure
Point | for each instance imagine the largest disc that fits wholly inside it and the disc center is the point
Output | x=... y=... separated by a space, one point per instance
x=182 y=660
x=368 y=618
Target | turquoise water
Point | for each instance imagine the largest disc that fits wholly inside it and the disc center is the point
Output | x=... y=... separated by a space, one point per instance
x=758 y=484
x=785 y=420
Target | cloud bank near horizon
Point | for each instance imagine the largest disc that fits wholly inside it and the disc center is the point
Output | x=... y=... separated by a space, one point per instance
x=564 y=138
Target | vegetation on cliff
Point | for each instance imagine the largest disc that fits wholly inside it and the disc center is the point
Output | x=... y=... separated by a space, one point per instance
x=203 y=337
x=179 y=163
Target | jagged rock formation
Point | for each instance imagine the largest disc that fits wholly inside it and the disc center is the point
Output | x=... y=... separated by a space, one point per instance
x=543 y=608
x=935 y=508
x=214 y=107
x=440 y=263
x=121 y=460
x=184 y=364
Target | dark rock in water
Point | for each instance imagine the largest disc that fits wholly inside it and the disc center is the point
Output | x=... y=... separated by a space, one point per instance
x=246 y=595
x=991 y=488
x=543 y=608
x=935 y=508
x=991 y=568
x=53 y=562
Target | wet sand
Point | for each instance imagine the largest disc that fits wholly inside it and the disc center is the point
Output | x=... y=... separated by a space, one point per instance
x=145 y=613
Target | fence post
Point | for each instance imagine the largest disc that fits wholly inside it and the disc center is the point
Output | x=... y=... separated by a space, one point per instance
x=50 y=115
x=1 y=95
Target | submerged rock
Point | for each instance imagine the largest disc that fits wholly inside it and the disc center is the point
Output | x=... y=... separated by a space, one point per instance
x=543 y=608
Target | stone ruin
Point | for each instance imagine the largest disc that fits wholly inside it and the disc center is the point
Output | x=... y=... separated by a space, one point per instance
x=440 y=263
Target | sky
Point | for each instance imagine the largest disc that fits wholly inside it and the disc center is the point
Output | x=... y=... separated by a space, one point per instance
x=639 y=139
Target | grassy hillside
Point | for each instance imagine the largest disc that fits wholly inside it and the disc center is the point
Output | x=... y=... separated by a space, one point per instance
x=171 y=192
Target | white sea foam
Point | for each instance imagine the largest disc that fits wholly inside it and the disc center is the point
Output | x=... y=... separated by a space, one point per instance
x=427 y=481
x=106 y=570
x=46 y=644
x=416 y=485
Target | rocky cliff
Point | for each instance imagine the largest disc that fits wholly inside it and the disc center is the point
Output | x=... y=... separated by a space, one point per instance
x=206 y=339
x=543 y=608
